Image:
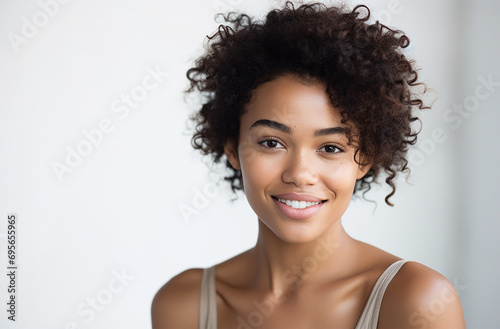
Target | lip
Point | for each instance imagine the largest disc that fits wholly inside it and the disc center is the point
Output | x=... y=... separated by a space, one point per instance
x=298 y=197
x=297 y=214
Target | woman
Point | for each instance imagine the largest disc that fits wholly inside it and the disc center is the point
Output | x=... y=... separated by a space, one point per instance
x=308 y=107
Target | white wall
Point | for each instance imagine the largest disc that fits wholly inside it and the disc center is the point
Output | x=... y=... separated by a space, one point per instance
x=477 y=159
x=118 y=210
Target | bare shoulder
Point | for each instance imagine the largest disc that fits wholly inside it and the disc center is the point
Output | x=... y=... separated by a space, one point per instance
x=175 y=305
x=419 y=297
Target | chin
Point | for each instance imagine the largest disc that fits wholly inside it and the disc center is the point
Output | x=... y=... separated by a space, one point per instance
x=294 y=233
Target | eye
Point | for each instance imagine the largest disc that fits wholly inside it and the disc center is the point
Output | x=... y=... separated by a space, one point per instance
x=270 y=143
x=331 y=149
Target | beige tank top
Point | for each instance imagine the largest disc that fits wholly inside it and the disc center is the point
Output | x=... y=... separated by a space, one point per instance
x=368 y=319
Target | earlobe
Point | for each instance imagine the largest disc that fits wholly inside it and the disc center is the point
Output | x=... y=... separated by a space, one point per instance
x=364 y=167
x=362 y=170
x=232 y=155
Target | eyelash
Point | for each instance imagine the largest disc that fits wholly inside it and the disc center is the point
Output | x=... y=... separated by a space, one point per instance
x=340 y=149
x=269 y=140
x=262 y=142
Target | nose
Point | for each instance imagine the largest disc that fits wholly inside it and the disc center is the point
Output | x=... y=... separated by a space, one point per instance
x=300 y=170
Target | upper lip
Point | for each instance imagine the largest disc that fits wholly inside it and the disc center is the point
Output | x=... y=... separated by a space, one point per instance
x=298 y=197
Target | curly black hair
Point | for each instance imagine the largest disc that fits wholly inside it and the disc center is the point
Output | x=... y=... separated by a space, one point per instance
x=362 y=66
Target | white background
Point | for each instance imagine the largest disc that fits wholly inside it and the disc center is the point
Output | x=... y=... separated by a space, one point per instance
x=119 y=209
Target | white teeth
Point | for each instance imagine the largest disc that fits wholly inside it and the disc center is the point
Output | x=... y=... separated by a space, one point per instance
x=298 y=204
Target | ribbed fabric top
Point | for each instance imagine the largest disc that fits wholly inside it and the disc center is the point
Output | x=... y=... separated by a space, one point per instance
x=368 y=319
x=208 y=302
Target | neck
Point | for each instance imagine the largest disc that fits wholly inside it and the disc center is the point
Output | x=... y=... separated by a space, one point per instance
x=282 y=267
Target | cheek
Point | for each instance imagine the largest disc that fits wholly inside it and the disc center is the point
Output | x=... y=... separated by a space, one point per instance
x=259 y=171
x=256 y=166
x=259 y=174
x=340 y=177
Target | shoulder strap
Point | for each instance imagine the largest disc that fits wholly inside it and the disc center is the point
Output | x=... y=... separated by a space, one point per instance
x=207 y=312
x=369 y=317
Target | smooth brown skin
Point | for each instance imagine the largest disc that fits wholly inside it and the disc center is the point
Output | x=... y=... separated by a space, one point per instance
x=312 y=273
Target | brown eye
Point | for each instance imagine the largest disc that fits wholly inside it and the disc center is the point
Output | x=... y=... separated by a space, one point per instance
x=270 y=143
x=331 y=149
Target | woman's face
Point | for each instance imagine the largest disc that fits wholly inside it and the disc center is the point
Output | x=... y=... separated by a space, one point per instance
x=298 y=169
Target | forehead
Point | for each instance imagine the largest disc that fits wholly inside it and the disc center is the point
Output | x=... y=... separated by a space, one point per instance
x=292 y=99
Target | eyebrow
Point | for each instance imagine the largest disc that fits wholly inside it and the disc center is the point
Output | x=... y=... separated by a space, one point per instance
x=330 y=131
x=284 y=128
x=272 y=124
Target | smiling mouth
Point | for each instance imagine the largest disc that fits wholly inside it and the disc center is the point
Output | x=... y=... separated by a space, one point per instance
x=296 y=204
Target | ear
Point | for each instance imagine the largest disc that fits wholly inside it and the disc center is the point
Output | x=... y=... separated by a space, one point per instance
x=362 y=170
x=232 y=154
x=364 y=167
